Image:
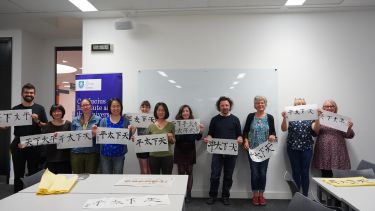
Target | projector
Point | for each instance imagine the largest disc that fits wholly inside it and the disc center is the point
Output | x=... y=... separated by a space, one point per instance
x=123 y=24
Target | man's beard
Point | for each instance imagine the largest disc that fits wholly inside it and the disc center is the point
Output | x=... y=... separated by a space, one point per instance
x=28 y=99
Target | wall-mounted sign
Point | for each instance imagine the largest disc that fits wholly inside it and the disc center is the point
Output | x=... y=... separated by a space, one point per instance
x=100 y=47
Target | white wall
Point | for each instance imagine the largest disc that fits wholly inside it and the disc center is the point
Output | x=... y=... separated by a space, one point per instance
x=318 y=56
x=33 y=61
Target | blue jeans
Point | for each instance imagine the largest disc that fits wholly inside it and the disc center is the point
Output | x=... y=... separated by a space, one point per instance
x=258 y=175
x=300 y=162
x=218 y=162
x=112 y=165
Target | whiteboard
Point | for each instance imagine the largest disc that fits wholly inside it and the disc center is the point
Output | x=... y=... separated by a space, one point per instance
x=201 y=88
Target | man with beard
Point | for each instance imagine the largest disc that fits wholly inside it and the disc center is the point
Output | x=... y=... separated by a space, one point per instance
x=29 y=155
x=223 y=126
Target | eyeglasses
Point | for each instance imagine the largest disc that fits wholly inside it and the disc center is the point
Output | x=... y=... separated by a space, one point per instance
x=85 y=105
x=330 y=106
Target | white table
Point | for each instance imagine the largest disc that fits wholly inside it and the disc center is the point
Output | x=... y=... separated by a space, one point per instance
x=357 y=198
x=74 y=202
x=105 y=183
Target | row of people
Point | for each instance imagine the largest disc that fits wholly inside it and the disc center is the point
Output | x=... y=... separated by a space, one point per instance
x=259 y=127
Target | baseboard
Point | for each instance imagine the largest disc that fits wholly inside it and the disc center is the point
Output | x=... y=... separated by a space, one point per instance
x=244 y=195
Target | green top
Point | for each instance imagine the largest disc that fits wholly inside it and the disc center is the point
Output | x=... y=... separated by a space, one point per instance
x=153 y=129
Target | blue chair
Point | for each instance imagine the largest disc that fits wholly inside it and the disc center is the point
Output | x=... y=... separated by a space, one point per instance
x=368 y=173
x=291 y=183
x=300 y=202
x=32 y=179
x=364 y=164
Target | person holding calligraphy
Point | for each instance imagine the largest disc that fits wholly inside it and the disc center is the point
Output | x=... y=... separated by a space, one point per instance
x=58 y=160
x=27 y=155
x=223 y=126
x=259 y=128
x=143 y=157
x=330 y=149
x=184 y=150
x=85 y=159
x=162 y=161
x=112 y=156
x=300 y=146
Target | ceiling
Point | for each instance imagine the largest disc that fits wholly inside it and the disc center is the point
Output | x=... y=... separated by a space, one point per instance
x=61 y=19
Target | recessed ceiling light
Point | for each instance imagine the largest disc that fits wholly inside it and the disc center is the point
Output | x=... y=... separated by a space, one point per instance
x=62 y=68
x=162 y=73
x=235 y=82
x=172 y=81
x=178 y=86
x=232 y=87
x=294 y=2
x=84 y=5
x=241 y=75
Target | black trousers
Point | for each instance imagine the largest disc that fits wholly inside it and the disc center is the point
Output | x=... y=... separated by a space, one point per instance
x=165 y=164
x=21 y=157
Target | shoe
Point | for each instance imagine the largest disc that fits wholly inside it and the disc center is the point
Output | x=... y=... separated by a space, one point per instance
x=255 y=200
x=188 y=199
x=226 y=201
x=211 y=200
x=262 y=200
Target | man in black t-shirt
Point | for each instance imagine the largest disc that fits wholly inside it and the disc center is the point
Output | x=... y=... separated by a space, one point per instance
x=28 y=155
x=223 y=126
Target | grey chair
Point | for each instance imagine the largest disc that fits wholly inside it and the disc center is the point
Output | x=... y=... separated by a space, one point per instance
x=364 y=164
x=291 y=183
x=300 y=202
x=368 y=173
x=32 y=179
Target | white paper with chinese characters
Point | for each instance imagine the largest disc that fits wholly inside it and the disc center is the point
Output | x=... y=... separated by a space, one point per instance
x=74 y=139
x=151 y=143
x=186 y=126
x=302 y=112
x=263 y=151
x=15 y=117
x=334 y=120
x=140 y=120
x=139 y=181
x=222 y=146
x=39 y=139
x=105 y=135
x=132 y=201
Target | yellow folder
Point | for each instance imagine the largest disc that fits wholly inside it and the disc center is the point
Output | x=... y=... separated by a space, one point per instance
x=349 y=182
x=55 y=184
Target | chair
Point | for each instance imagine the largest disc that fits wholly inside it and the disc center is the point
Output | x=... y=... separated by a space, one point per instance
x=368 y=173
x=300 y=202
x=292 y=185
x=364 y=164
x=32 y=179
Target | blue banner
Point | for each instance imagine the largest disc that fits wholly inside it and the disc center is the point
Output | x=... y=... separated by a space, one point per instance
x=99 y=88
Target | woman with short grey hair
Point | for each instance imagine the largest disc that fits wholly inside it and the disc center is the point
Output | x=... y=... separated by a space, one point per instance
x=259 y=128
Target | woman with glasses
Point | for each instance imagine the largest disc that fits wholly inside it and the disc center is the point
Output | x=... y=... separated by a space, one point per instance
x=300 y=146
x=85 y=159
x=330 y=148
